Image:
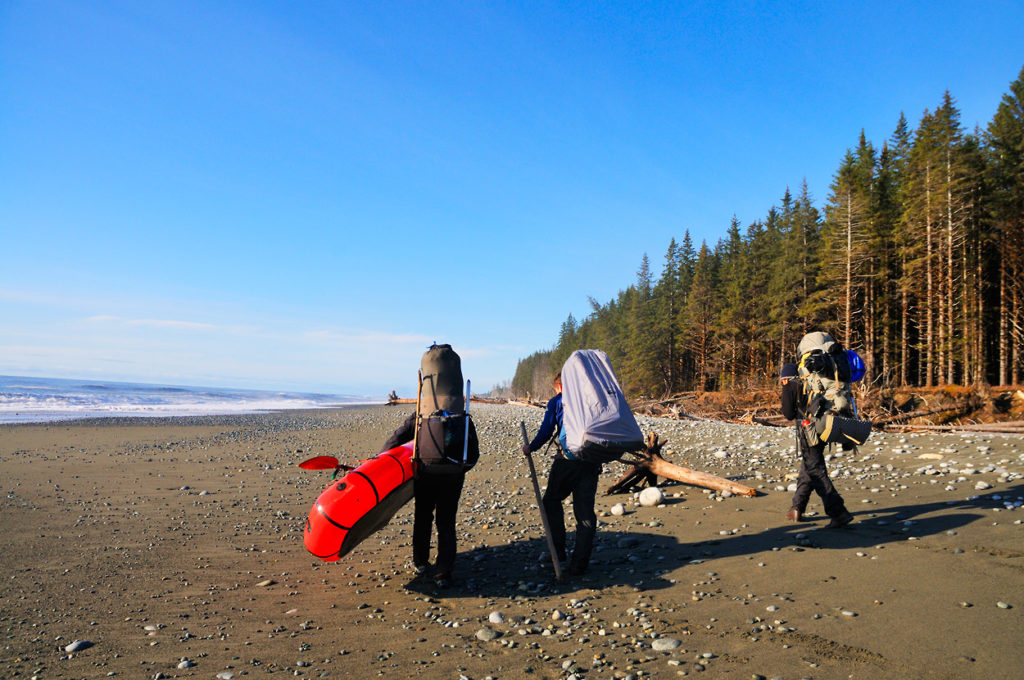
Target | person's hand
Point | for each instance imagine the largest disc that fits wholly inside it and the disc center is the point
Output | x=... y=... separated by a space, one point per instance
x=526 y=449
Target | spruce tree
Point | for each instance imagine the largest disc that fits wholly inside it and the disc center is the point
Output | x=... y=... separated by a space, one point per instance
x=642 y=356
x=845 y=244
x=734 y=310
x=701 y=312
x=1005 y=150
x=667 y=299
x=885 y=210
x=903 y=244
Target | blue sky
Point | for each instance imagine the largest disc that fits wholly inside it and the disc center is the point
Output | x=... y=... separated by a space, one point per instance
x=305 y=195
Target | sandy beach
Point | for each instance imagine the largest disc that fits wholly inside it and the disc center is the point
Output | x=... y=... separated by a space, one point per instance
x=172 y=548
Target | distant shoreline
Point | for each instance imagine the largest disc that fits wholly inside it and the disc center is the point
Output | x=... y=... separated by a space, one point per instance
x=26 y=399
x=212 y=419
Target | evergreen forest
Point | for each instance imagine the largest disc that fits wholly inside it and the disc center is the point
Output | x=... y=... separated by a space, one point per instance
x=916 y=262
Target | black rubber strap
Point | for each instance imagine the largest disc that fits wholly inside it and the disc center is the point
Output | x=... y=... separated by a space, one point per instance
x=369 y=481
x=328 y=518
x=400 y=466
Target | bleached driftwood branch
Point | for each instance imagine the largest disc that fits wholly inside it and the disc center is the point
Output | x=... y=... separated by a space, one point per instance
x=650 y=462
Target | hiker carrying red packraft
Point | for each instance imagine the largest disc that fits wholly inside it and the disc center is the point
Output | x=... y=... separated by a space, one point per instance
x=445 y=446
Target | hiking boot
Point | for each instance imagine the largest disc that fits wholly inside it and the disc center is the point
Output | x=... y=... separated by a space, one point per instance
x=420 y=569
x=576 y=571
x=794 y=515
x=443 y=581
x=840 y=521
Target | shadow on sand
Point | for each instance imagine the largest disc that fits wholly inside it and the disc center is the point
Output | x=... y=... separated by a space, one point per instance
x=642 y=560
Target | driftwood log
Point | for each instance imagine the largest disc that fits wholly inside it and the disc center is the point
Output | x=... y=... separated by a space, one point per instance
x=638 y=476
x=392 y=400
x=879 y=423
x=772 y=421
x=649 y=465
x=1014 y=427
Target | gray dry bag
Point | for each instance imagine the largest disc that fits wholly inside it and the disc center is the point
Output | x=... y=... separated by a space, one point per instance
x=599 y=426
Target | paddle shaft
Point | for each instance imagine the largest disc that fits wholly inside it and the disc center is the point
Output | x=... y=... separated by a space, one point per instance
x=465 y=435
x=540 y=504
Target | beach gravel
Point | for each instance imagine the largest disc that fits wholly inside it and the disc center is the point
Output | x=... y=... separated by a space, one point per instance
x=180 y=540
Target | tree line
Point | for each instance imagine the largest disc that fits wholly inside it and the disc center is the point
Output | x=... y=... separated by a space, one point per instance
x=916 y=262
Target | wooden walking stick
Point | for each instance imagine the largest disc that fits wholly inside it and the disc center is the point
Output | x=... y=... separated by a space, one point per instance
x=540 y=504
x=416 y=427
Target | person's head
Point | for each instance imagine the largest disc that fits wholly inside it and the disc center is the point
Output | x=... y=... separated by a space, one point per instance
x=557 y=382
x=788 y=373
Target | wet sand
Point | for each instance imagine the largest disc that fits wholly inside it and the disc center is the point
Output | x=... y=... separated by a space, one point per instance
x=173 y=547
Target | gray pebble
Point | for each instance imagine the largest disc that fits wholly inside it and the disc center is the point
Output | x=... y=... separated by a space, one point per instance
x=77 y=646
x=486 y=634
x=665 y=644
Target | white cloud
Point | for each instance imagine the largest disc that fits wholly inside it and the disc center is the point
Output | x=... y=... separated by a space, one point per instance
x=154 y=323
x=173 y=323
x=202 y=343
x=365 y=337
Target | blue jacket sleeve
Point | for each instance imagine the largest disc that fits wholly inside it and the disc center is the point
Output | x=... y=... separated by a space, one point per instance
x=552 y=419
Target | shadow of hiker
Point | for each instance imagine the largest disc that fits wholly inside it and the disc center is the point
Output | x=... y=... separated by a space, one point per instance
x=870 y=528
x=523 y=569
x=642 y=560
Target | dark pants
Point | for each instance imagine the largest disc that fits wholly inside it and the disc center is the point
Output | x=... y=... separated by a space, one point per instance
x=440 y=493
x=579 y=479
x=814 y=477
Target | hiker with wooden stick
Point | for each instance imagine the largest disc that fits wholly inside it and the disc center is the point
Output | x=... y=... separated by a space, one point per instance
x=576 y=477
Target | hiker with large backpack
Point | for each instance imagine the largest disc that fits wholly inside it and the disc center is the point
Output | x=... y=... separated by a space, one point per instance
x=590 y=424
x=576 y=477
x=817 y=396
x=445 y=447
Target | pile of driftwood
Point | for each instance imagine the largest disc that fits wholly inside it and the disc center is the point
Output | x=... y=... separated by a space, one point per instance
x=393 y=400
x=935 y=409
x=951 y=409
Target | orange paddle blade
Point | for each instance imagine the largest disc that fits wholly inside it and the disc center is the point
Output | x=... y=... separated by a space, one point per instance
x=319 y=463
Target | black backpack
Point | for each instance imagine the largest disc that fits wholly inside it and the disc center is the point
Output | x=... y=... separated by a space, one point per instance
x=442 y=446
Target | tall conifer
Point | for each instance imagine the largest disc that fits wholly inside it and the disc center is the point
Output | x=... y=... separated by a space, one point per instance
x=1005 y=142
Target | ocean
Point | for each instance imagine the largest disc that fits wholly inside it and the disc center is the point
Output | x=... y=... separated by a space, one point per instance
x=28 y=400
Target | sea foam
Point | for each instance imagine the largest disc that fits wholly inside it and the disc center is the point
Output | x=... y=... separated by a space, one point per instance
x=24 y=400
